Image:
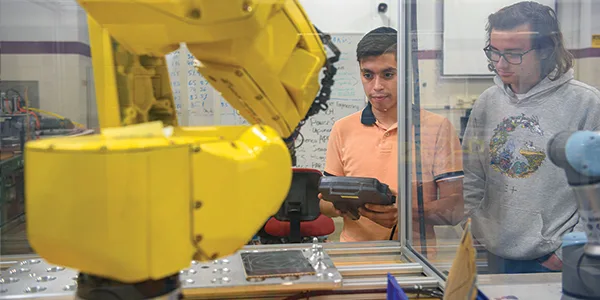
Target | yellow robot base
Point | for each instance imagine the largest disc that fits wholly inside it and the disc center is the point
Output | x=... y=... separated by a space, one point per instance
x=139 y=202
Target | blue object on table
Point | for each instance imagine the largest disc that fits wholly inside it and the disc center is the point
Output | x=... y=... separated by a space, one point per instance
x=481 y=296
x=394 y=291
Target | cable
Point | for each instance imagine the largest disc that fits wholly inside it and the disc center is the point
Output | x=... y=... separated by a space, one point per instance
x=7 y=105
x=55 y=115
x=49 y=113
x=38 y=124
x=320 y=102
x=45 y=112
x=393 y=231
x=302 y=141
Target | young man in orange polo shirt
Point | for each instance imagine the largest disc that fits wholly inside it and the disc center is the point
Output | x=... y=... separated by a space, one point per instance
x=364 y=144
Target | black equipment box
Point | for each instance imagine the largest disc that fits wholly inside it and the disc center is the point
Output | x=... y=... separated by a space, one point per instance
x=302 y=201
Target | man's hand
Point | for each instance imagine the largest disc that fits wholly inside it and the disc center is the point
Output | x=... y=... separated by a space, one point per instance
x=327 y=208
x=384 y=215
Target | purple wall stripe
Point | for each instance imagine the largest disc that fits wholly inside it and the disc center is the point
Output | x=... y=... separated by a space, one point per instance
x=586 y=53
x=577 y=53
x=430 y=54
x=9 y=47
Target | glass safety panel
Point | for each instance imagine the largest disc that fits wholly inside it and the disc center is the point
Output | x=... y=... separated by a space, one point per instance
x=405 y=124
x=507 y=94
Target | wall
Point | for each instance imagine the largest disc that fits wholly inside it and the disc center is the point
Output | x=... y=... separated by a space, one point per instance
x=47 y=42
x=579 y=20
x=64 y=80
x=349 y=16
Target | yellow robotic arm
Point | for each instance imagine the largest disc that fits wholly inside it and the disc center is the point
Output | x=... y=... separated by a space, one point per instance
x=140 y=200
x=263 y=56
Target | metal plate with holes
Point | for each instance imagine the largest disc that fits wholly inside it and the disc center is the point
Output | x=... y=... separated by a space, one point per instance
x=231 y=274
x=38 y=279
x=34 y=278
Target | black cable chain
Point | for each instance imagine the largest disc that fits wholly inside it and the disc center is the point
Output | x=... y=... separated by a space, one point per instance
x=320 y=103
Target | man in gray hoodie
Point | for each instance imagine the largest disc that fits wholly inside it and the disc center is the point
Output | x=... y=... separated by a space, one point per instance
x=519 y=202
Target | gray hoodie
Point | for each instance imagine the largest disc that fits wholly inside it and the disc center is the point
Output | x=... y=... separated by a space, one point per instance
x=519 y=201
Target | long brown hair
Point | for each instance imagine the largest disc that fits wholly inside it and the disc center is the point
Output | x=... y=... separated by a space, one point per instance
x=547 y=37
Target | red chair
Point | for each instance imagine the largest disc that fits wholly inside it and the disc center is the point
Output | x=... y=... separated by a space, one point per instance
x=300 y=217
x=320 y=227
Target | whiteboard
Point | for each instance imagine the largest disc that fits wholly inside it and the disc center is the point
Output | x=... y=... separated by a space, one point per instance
x=464 y=35
x=206 y=107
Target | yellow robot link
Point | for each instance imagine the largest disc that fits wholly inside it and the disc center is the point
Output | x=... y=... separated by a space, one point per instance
x=138 y=202
x=263 y=56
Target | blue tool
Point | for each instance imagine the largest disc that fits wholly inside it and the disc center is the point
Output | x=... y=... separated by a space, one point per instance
x=394 y=291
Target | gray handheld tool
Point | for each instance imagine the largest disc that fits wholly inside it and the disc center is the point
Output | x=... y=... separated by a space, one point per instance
x=349 y=193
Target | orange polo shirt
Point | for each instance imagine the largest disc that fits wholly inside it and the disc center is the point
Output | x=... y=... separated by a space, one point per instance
x=360 y=146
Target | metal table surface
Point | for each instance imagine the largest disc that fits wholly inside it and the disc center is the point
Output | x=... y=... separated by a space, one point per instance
x=363 y=269
x=521 y=286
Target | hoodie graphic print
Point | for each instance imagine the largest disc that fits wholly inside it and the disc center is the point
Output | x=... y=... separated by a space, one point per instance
x=513 y=158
